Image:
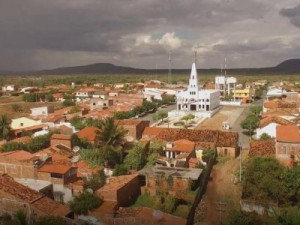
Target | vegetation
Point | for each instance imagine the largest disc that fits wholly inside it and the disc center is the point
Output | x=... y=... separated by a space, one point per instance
x=161 y=115
x=4 y=127
x=187 y=117
x=277 y=185
x=95 y=181
x=51 y=220
x=18 y=218
x=85 y=203
x=265 y=136
x=252 y=120
x=35 y=144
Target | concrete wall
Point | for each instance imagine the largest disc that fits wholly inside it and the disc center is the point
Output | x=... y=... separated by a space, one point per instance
x=17 y=169
x=227 y=151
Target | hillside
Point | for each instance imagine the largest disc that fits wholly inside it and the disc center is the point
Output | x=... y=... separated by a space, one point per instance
x=291 y=66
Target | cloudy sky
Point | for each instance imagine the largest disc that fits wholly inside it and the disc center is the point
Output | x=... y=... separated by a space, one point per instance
x=43 y=34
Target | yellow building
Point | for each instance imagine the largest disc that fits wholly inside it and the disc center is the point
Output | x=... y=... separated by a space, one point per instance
x=244 y=94
x=24 y=122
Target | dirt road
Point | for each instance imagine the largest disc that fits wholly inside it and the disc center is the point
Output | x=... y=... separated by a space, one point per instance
x=222 y=194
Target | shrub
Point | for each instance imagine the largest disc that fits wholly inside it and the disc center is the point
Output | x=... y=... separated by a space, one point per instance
x=84 y=203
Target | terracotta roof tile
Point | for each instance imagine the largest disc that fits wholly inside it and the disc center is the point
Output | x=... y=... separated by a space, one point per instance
x=54 y=168
x=273 y=119
x=88 y=133
x=19 y=155
x=288 y=133
x=24 y=139
x=61 y=137
x=262 y=148
x=182 y=145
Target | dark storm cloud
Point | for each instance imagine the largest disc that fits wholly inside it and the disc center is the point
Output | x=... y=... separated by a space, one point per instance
x=35 y=33
x=293 y=14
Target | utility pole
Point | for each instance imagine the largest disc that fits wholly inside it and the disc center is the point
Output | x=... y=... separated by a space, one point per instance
x=240 y=161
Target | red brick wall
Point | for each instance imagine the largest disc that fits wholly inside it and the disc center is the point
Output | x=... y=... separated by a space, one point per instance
x=17 y=169
x=128 y=192
x=289 y=151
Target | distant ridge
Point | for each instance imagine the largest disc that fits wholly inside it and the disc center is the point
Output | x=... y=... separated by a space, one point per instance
x=291 y=66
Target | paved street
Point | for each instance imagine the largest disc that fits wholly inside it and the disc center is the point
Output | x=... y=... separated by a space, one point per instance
x=150 y=115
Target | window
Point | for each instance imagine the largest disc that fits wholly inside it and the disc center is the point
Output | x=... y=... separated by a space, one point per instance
x=284 y=149
x=293 y=148
x=94 y=103
x=21 y=124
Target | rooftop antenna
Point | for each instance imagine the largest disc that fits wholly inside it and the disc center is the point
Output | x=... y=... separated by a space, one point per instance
x=170 y=70
x=195 y=57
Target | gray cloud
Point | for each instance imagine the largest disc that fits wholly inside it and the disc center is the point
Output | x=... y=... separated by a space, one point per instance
x=293 y=14
x=38 y=34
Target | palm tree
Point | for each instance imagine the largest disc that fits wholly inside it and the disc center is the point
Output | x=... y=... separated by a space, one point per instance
x=110 y=134
x=4 y=127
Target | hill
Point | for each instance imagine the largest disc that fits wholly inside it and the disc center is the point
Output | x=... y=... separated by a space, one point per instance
x=291 y=66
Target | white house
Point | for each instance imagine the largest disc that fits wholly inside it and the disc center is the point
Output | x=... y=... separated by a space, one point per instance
x=84 y=94
x=150 y=94
x=42 y=111
x=24 y=122
x=268 y=126
x=98 y=103
x=9 y=87
x=195 y=100
x=98 y=94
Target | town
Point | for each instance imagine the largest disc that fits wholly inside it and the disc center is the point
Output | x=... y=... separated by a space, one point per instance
x=149 y=152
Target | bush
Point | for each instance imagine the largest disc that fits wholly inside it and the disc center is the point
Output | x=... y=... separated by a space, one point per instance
x=51 y=220
x=85 y=203
x=95 y=181
x=182 y=211
x=120 y=169
x=16 y=107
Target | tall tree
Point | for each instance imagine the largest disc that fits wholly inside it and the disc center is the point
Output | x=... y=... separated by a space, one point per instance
x=110 y=134
x=4 y=127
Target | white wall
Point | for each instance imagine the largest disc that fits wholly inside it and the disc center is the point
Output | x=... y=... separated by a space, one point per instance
x=270 y=129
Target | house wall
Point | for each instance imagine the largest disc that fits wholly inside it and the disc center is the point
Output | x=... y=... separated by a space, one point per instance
x=292 y=149
x=270 y=129
x=42 y=111
x=17 y=123
x=129 y=192
x=17 y=169
x=227 y=151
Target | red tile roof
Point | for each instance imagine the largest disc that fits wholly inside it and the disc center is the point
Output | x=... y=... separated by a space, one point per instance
x=24 y=139
x=262 y=148
x=54 y=168
x=19 y=155
x=88 y=133
x=288 y=133
x=61 y=137
x=182 y=145
x=128 y=122
x=273 y=119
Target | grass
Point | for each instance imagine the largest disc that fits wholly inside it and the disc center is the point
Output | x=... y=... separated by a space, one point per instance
x=221 y=160
x=182 y=211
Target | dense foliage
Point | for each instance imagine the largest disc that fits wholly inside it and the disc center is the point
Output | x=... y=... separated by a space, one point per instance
x=4 y=127
x=265 y=180
x=252 y=120
x=51 y=220
x=85 y=203
x=95 y=181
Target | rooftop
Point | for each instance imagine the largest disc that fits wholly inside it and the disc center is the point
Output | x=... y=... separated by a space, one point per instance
x=61 y=137
x=184 y=173
x=287 y=133
x=182 y=145
x=54 y=168
x=19 y=155
x=262 y=148
x=89 y=133
x=128 y=122
x=273 y=119
x=116 y=183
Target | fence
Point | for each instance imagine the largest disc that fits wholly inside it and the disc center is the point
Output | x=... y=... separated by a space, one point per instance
x=202 y=189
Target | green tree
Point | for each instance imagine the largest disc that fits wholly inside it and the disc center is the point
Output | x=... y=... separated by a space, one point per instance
x=161 y=115
x=4 y=127
x=265 y=136
x=51 y=220
x=242 y=218
x=95 y=181
x=120 y=169
x=250 y=123
x=188 y=117
x=111 y=134
x=85 y=203
x=289 y=216
x=136 y=158
x=19 y=218
x=256 y=110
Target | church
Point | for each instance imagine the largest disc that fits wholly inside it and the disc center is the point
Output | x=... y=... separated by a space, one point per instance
x=193 y=100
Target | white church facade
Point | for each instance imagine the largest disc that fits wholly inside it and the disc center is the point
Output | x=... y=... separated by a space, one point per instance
x=196 y=101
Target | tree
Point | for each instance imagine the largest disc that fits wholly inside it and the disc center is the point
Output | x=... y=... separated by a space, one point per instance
x=95 y=181
x=136 y=158
x=4 y=127
x=242 y=218
x=120 y=169
x=289 y=216
x=250 y=123
x=160 y=116
x=84 y=203
x=188 y=117
x=51 y=220
x=265 y=136
x=262 y=185
x=256 y=110
x=111 y=134
x=20 y=218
